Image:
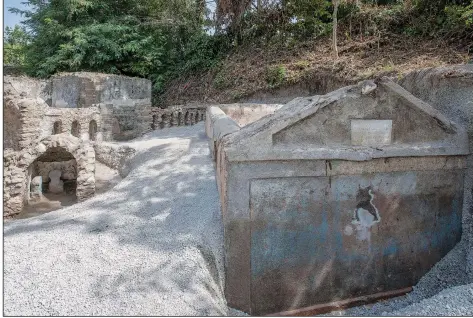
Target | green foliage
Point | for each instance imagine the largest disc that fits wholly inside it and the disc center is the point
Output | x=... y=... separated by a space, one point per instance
x=203 y=51
x=146 y=38
x=275 y=75
x=450 y=19
x=309 y=17
x=459 y=16
x=221 y=81
x=162 y=39
x=15 y=43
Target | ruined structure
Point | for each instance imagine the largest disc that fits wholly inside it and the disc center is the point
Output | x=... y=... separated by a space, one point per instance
x=355 y=193
x=53 y=126
x=179 y=115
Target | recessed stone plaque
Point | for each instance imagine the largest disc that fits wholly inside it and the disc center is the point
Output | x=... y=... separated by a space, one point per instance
x=371 y=132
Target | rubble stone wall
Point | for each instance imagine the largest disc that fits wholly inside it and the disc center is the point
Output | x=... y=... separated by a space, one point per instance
x=124 y=103
x=125 y=121
x=11 y=125
x=72 y=112
x=19 y=166
x=117 y=157
x=27 y=87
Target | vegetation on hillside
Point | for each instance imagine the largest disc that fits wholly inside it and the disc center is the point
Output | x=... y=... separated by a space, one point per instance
x=234 y=47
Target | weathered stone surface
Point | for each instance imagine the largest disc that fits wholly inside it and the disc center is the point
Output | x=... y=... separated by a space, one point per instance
x=115 y=157
x=36 y=162
x=55 y=185
x=301 y=204
x=179 y=115
x=450 y=90
x=79 y=108
x=371 y=132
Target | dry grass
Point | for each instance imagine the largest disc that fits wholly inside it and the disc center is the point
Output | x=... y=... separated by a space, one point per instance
x=243 y=72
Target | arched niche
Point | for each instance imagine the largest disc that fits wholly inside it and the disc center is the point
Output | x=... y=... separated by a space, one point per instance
x=57 y=127
x=75 y=129
x=92 y=130
x=60 y=145
x=54 y=159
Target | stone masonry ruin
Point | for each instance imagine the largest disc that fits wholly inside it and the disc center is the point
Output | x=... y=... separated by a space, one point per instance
x=54 y=128
x=179 y=115
x=353 y=194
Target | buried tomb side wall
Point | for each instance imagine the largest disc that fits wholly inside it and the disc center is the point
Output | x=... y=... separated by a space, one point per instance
x=290 y=230
x=450 y=90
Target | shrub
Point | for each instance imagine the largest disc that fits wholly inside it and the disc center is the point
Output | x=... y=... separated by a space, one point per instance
x=275 y=75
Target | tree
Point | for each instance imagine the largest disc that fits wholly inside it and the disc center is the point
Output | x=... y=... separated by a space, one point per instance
x=15 y=42
x=334 y=32
x=145 y=38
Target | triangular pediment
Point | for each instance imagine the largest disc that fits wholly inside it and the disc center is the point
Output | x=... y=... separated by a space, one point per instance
x=379 y=115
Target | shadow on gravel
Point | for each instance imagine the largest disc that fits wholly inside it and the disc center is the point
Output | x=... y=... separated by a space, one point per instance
x=168 y=204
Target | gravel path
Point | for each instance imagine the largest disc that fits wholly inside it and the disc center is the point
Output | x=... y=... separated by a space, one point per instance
x=150 y=246
x=153 y=246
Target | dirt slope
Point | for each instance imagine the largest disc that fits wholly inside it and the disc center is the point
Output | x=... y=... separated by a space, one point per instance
x=279 y=72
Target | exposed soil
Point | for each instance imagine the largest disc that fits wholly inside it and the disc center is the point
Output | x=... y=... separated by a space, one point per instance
x=309 y=68
x=105 y=179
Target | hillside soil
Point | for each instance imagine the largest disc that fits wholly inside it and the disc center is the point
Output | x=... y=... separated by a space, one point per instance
x=275 y=73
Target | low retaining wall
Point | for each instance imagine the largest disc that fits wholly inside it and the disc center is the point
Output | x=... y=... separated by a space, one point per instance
x=115 y=156
x=217 y=125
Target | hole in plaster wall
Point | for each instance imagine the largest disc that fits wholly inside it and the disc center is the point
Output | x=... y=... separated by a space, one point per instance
x=57 y=128
x=75 y=129
x=92 y=130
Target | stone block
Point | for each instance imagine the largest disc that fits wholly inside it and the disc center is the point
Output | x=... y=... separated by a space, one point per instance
x=366 y=175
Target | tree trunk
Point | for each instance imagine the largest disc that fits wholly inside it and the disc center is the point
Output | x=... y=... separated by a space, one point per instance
x=334 y=32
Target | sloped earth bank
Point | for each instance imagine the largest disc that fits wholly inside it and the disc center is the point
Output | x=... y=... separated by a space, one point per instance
x=153 y=245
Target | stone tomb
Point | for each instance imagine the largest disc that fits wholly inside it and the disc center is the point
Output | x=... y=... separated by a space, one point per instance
x=352 y=194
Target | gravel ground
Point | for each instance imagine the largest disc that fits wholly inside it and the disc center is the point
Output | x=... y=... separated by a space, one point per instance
x=153 y=244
